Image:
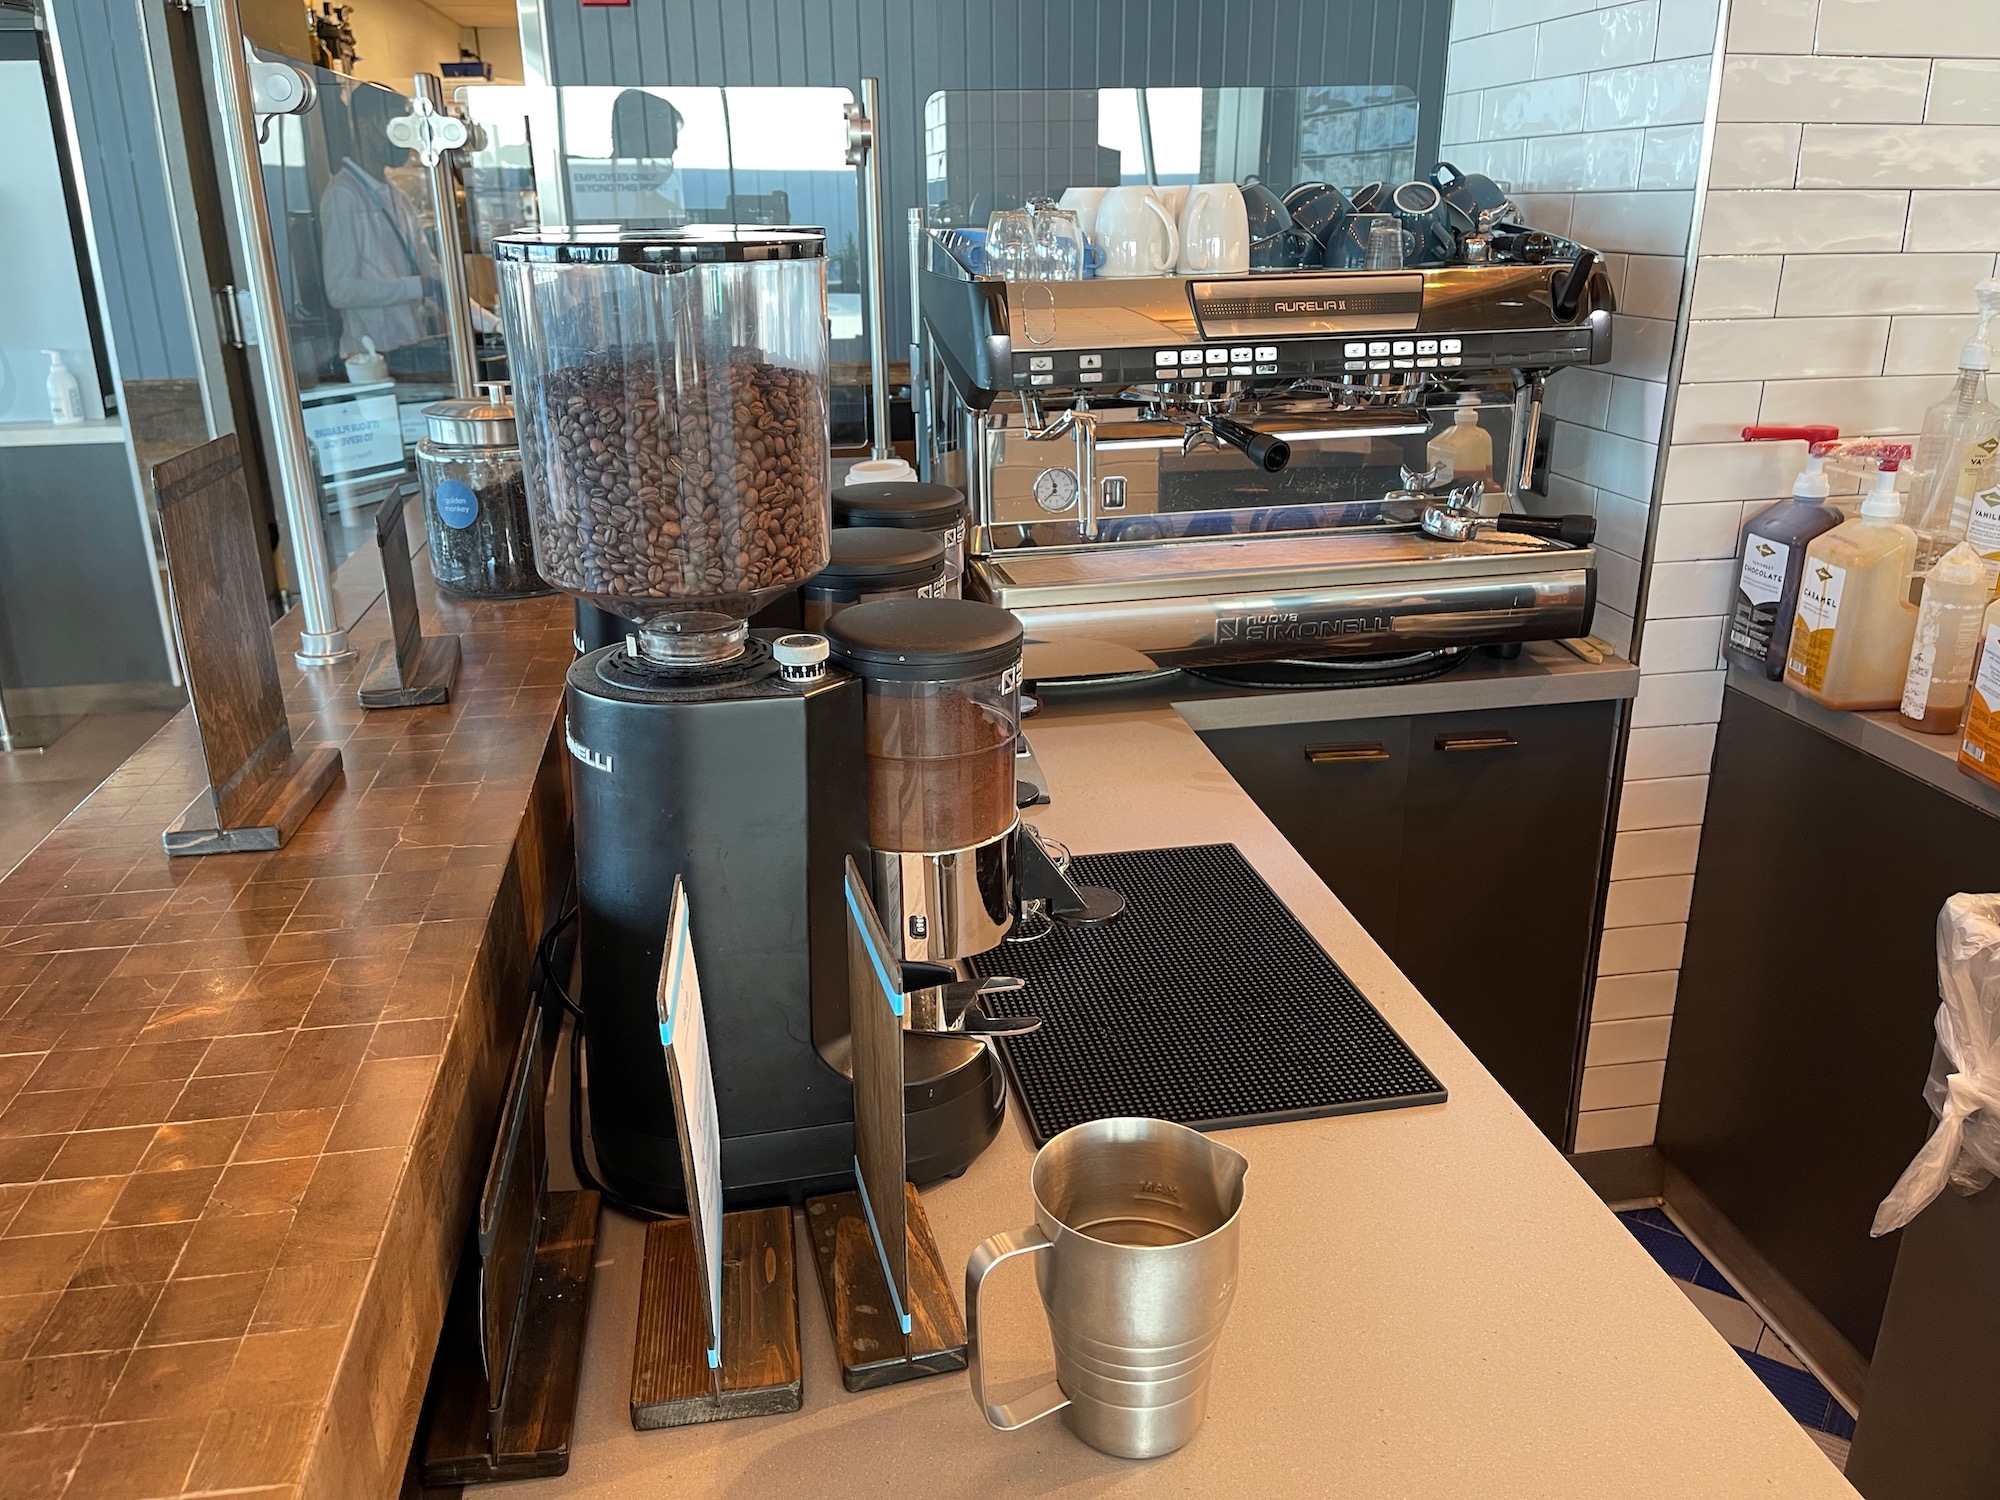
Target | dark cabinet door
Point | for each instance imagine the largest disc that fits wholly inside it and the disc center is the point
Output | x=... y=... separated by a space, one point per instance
x=1336 y=791
x=1470 y=846
x=1503 y=847
x=1803 y=1027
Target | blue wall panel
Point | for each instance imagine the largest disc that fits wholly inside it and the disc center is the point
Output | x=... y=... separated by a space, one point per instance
x=917 y=47
x=125 y=182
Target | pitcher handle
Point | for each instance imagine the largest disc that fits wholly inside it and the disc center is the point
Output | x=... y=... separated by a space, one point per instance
x=1043 y=1400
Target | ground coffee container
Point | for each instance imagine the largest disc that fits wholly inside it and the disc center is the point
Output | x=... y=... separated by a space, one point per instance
x=869 y=564
x=475 y=504
x=942 y=707
x=936 y=508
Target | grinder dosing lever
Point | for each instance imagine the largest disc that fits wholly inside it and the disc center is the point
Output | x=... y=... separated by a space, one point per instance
x=941 y=1002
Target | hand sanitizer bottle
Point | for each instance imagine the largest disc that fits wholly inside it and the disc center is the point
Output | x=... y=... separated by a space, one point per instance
x=65 y=395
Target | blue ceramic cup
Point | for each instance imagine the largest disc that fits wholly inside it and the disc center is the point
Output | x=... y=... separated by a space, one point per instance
x=1423 y=212
x=1274 y=244
x=1469 y=193
x=1317 y=210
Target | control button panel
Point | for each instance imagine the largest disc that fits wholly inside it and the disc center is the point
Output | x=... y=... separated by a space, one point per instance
x=1340 y=357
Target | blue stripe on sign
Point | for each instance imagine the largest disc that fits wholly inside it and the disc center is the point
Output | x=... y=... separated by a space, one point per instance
x=890 y=988
x=882 y=1255
x=677 y=945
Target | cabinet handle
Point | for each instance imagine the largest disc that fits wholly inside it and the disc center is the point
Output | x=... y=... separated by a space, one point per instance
x=1491 y=739
x=1328 y=755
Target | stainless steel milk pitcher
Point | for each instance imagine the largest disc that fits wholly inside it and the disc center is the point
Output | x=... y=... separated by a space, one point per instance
x=1135 y=1237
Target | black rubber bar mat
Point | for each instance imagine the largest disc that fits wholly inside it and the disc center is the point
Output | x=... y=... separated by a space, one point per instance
x=1205 y=1003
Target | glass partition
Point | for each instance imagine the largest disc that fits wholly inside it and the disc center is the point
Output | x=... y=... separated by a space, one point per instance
x=663 y=157
x=358 y=266
x=987 y=149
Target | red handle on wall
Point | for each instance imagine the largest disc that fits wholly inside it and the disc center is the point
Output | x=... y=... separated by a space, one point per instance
x=1812 y=434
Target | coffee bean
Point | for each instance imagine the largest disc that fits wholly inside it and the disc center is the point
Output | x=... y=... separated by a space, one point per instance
x=640 y=496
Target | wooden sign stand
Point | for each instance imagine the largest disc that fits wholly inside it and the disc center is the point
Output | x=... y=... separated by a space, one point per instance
x=511 y=1361
x=718 y=1330
x=885 y=1286
x=259 y=788
x=410 y=669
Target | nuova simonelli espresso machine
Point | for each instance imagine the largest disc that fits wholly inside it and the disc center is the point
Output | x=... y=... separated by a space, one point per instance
x=1202 y=470
x=672 y=404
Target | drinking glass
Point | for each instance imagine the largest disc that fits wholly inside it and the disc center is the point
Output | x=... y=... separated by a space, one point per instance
x=1010 y=245
x=1385 y=244
x=1058 y=244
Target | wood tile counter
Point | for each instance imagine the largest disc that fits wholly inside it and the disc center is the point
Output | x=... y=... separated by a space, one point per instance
x=245 y=1099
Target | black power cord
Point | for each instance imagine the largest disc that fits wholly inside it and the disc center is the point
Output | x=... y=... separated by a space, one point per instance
x=545 y=982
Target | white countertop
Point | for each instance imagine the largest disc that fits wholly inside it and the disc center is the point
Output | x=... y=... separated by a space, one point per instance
x=1432 y=1303
x=61 y=435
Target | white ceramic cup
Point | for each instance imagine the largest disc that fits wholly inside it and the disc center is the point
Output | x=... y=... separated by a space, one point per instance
x=1174 y=195
x=1215 y=231
x=1136 y=233
x=1084 y=203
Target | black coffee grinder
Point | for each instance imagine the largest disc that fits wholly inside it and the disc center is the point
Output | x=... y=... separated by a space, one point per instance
x=672 y=400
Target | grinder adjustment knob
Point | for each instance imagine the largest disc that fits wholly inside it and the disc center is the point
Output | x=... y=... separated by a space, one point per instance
x=802 y=657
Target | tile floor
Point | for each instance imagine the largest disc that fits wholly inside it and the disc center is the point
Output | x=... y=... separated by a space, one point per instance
x=39 y=788
x=1760 y=1345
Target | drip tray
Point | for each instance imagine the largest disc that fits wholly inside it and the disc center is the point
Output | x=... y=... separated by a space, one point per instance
x=1206 y=1003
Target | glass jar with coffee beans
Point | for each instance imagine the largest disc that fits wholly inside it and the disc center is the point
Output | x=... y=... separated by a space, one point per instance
x=475 y=503
x=673 y=410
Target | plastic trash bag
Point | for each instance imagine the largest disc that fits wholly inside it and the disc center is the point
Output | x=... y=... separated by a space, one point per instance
x=1963 y=1090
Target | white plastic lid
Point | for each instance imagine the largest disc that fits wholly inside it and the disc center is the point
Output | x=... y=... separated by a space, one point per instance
x=881 y=471
x=1882 y=502
x=1812 y=483
x=801 y=657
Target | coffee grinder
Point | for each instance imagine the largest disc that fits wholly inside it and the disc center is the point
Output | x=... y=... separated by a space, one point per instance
x=672 y=403
x=943 y=712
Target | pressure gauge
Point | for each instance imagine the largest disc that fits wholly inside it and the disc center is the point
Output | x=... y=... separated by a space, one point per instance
x=1055 y=489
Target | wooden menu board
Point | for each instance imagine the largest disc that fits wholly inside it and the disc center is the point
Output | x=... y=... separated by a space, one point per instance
x=260 y=789
x=884 y=1282
x=718 y=1333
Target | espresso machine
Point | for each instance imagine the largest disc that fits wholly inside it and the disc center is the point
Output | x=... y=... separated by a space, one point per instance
x=1198 y=471
x=673 y=414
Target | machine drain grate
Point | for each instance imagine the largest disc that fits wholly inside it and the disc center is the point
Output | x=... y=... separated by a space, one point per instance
x=1205 y=1003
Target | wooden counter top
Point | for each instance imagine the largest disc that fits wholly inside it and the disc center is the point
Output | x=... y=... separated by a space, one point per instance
x=241 y=1096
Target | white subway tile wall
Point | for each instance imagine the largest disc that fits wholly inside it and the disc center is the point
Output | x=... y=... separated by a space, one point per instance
x=1602 y=141
x=1853 y=200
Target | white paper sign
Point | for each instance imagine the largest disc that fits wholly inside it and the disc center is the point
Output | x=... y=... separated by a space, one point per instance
x=350 y=437
x=684 y=1034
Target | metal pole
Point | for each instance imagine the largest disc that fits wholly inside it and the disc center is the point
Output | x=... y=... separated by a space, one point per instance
x=1146 y=139
x=451 y=248
x=918 y=398
x=322 y=643
x=876 y=253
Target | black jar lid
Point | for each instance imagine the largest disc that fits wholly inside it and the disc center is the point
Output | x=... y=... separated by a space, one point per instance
x=869 y=559
x=925 y=640
x=918 y=507
x=692 y=244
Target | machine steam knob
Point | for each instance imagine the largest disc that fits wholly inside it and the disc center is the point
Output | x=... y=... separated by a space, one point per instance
x=801 y=658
